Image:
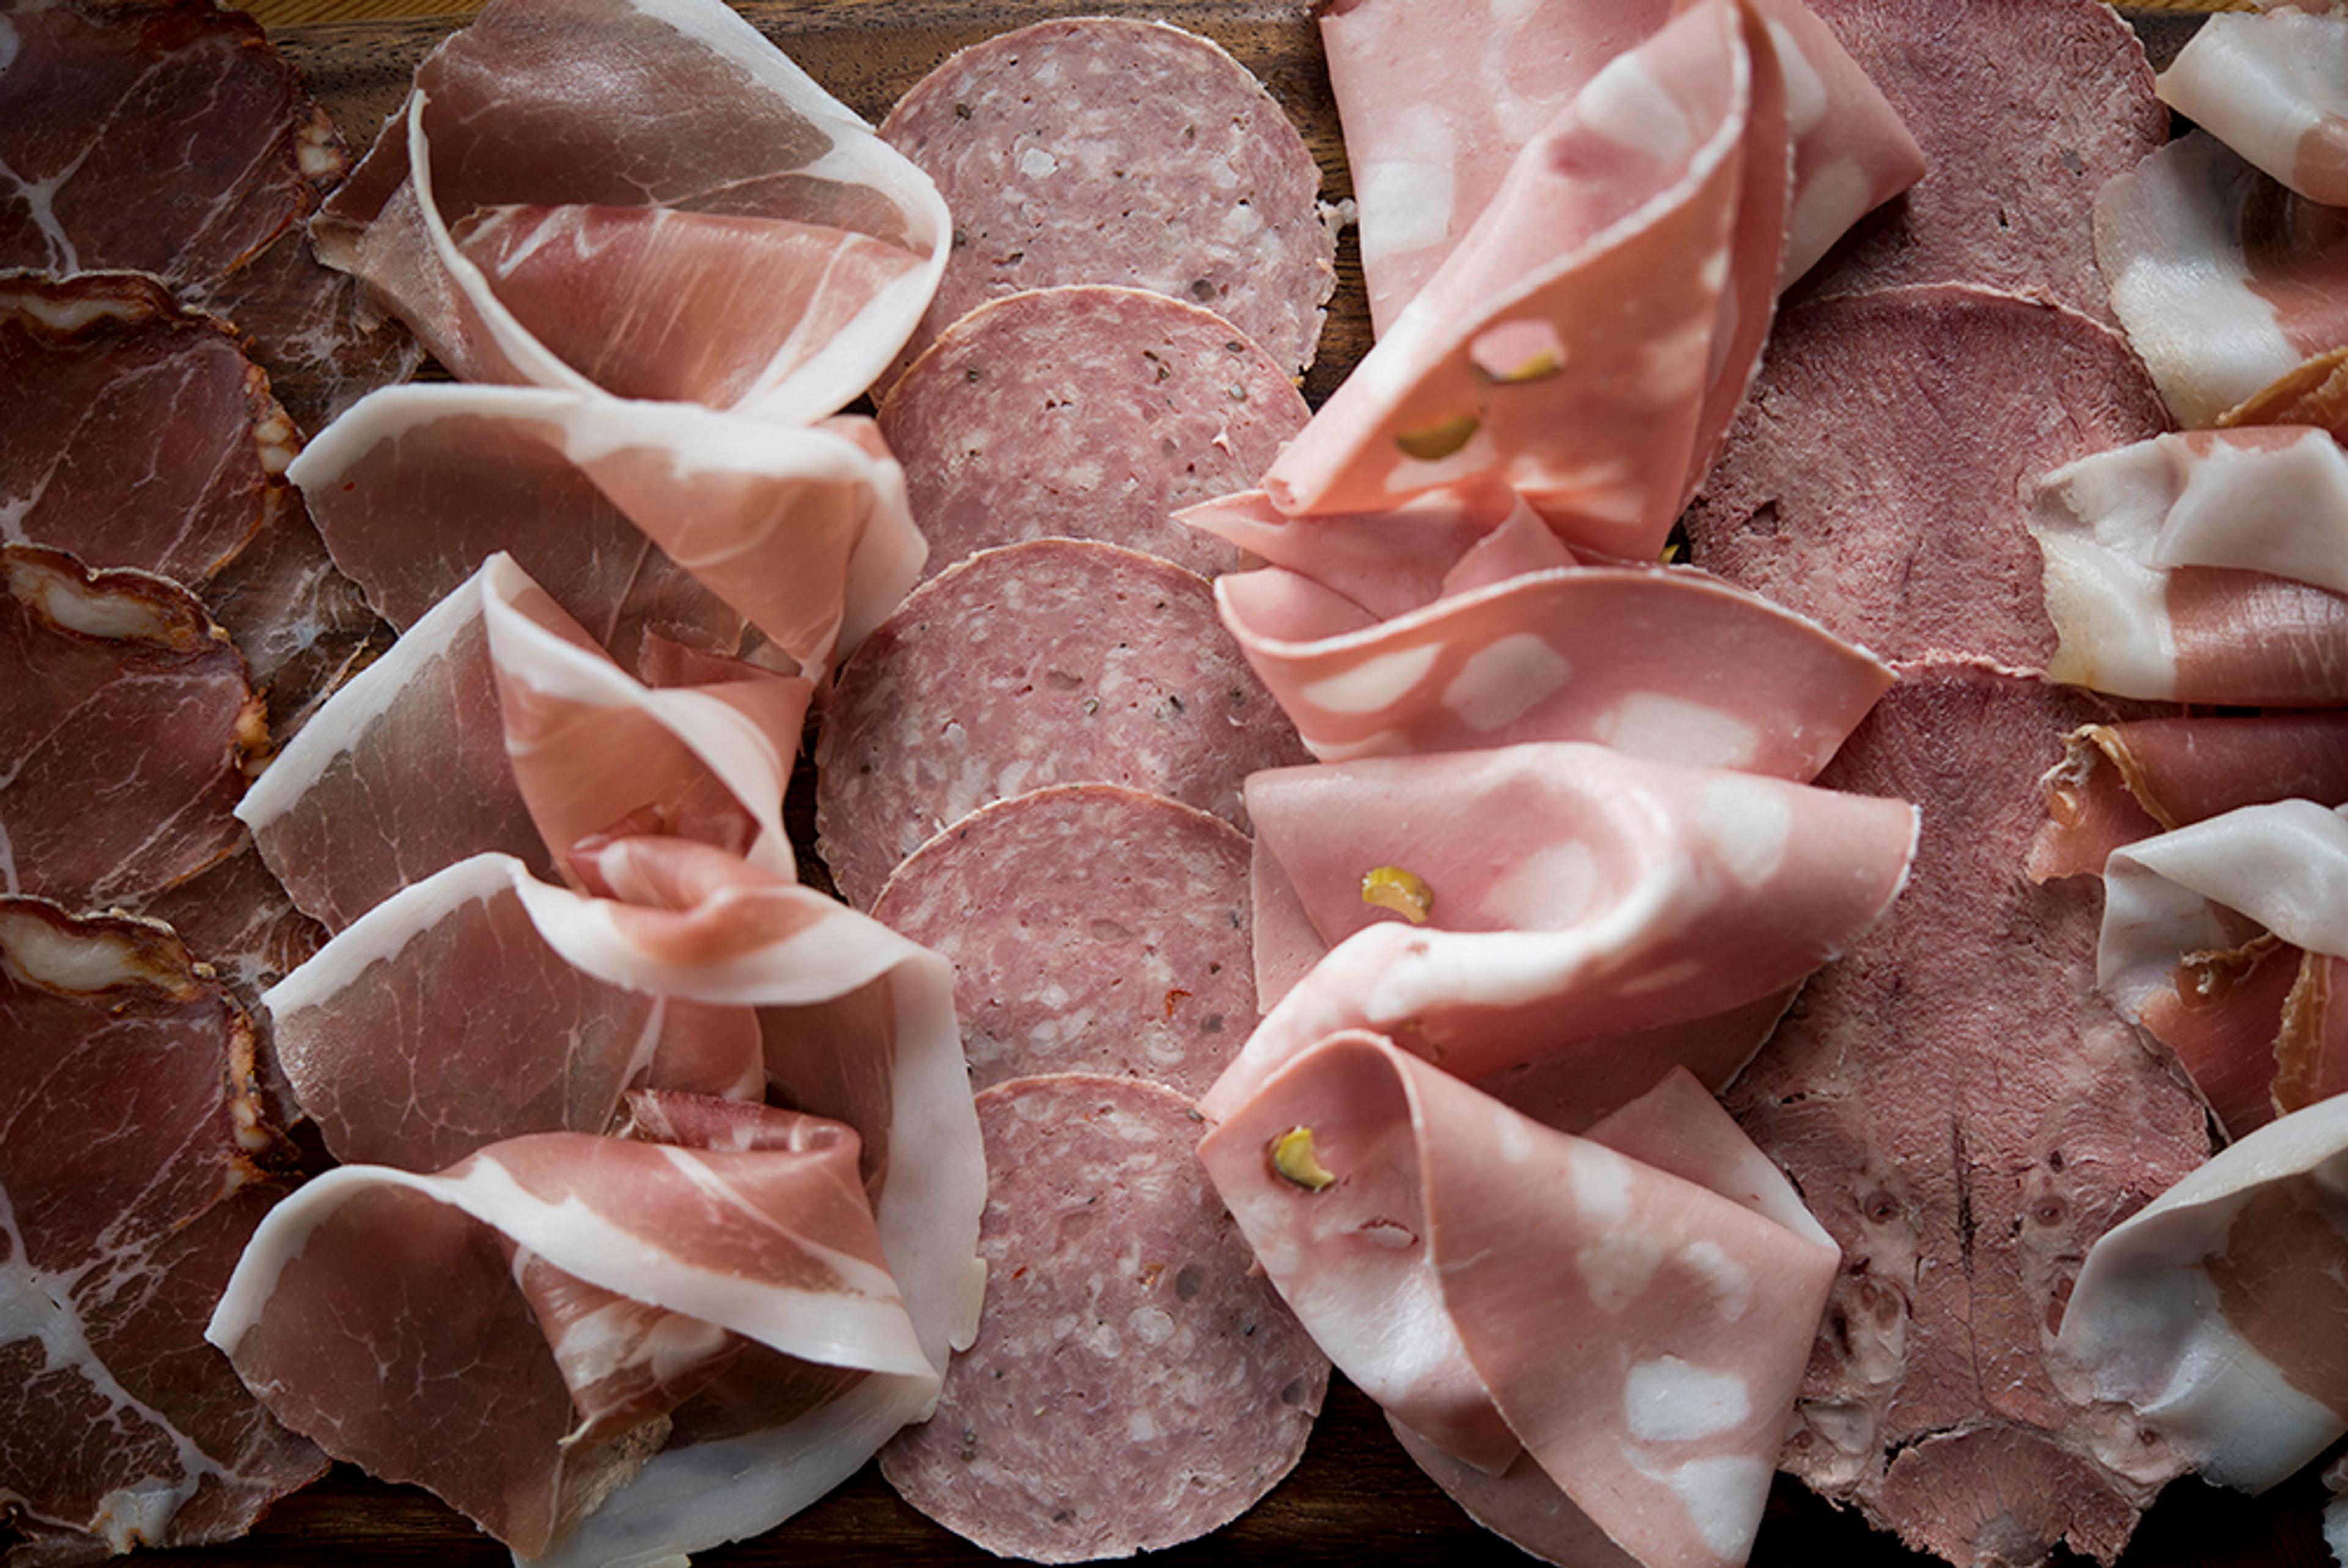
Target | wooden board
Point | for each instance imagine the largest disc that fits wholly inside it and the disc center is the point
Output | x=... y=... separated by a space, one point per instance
x=1355 y=1499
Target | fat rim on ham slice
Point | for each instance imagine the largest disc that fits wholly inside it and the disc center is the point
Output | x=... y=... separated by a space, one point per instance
x=1099 y=1218
x=1091 y=929
x=1094 y=149
x=1054 y=661
x=1086 y=412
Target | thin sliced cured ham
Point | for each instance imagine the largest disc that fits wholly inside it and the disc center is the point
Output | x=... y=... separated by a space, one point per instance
x=1435 y=106
x=1642 y=1341
x=2226 y=283
x=2270 y=87
x=1568 y=893
x=1590 y=339
x=497 y=723
x=2202 y=568
x=127 y=1120
x=2211 y=1317
x=1458 y=622
x=736 y=237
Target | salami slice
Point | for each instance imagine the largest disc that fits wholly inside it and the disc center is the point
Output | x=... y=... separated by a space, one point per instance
x=1131 y=1385
x=1087 y=412
x=1055 y=661
x=1091 y=929
x=1093 y=150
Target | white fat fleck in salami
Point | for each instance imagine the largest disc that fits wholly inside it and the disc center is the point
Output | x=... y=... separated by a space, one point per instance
x=1054 y=661
x=1132 y=1386
x=1093 y=151
x=1091 y=929
x=1089 y=413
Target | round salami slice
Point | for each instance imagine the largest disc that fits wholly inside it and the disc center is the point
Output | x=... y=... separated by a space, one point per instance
x=1055 y=661
x=1092 y=929
x=1131 y=1385
x=1087 y=412
x=1093 y=150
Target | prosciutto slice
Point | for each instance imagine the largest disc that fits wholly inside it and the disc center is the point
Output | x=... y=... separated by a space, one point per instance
x=127 y=1121
x=1642 y=1342
x=496 y=724
x=1623 y=891
x=1436 y=107
x=2270 y=87
x=636 y=516
x=736 y=237
x=2202 y=568
x=1457 y=621
x=1591 y=336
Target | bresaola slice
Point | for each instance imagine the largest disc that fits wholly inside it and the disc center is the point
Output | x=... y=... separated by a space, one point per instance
x=1101 y=150
x=1055 y=661
x=2269 y=87
x=1086 y=412
x=1497 y=1285
x=1134 y=1382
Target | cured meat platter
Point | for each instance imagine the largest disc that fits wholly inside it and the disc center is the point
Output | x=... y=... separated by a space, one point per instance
x=1355 y=1498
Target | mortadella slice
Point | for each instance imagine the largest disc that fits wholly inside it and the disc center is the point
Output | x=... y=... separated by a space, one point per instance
x=2270 y=87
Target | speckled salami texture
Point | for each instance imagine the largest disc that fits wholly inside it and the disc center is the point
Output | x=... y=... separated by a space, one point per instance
x=1087 y=412
x=1092 y=929
x=1092 y=150
x=1130 y=1385
x=1049 y=662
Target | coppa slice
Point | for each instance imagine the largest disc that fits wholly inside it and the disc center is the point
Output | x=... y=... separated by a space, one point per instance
x=1086 y=412
x=1091 y=929
x=1055 y=661
x=1096 y=151
x=1132 y=1385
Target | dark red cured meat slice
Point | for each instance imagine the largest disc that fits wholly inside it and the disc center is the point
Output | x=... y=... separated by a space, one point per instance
x=1054 y=661
x=1092 y=929
x=1086 y=412
x=1132 y=1385
x=129 y=724
x=2025 y=108
x=1880 y=479
x=1096 y=151
x=1965 y=1115
x=125 y=1201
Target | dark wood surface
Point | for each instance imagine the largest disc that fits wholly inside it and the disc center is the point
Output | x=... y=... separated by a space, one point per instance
x=1355 y=1498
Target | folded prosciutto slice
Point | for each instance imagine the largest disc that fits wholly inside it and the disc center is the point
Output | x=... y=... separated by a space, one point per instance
x=1457 y=621
x=1435 y=109
x=497 y=723
x=1632 y=1309
x=2274 y=87
x=635 y=517
x=2210 y=567
x=643 y=197
x=1549 y=896
x=2213 y=1313
x=1592 y=334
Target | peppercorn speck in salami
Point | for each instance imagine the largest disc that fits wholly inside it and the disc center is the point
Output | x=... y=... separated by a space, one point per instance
x=1089 y=413
x=1054 y=661
x=1092 y=929
x=1096 y=150
x=1131 y=1385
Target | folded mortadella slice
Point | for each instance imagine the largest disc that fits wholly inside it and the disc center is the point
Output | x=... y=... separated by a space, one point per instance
x=734 y=237
x=1590 y=337
x=1456 y=621
x=2202 y=568
x=1633 y=1314
x=1568 y=893
x=2274 y=88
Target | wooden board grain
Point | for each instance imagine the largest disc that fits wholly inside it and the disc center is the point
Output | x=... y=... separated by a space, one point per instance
x=1355 y=1498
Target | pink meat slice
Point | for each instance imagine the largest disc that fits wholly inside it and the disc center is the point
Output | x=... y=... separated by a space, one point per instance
x=2024 y=109
x=1102 y=150
x=1881 y=479
x=2269 y=88
x=126 y=1195
x=1965 y=1116
x=1090 y=413
x=1092 y=928
x=1054 y=661
x=1173 y=1387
